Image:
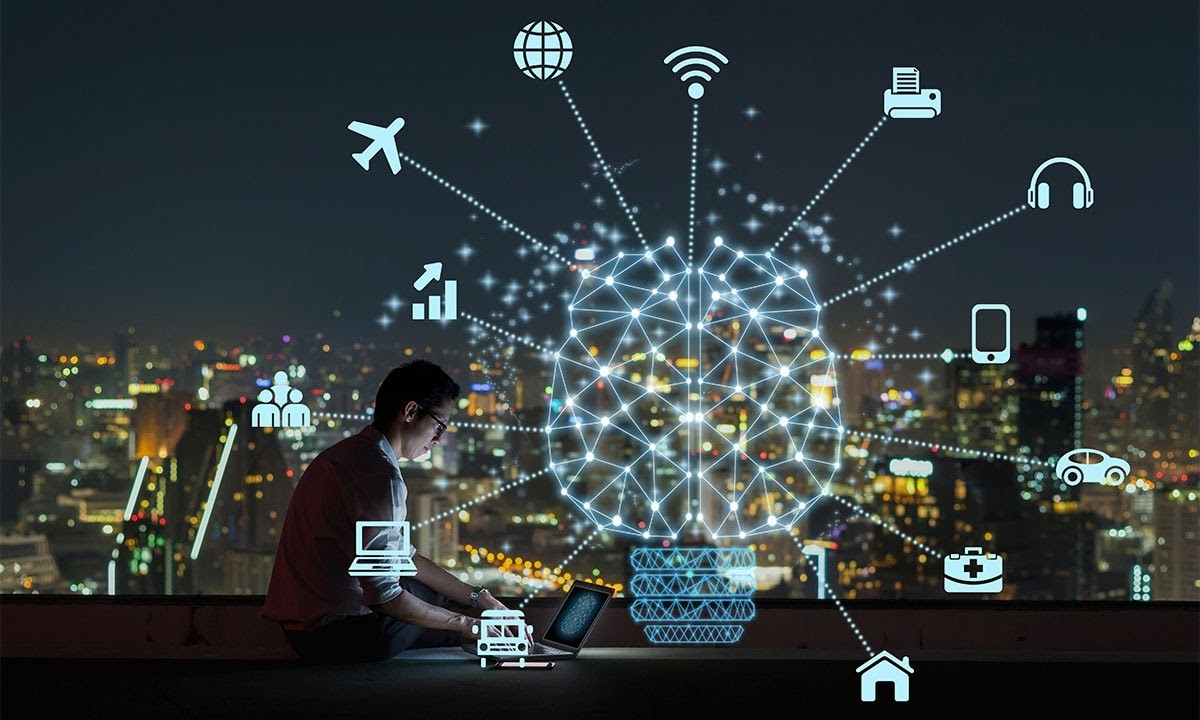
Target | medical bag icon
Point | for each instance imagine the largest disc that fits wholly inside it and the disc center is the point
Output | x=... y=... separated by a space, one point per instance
x=973 y=572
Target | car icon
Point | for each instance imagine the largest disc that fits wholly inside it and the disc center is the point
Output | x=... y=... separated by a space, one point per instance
x=1091 y=466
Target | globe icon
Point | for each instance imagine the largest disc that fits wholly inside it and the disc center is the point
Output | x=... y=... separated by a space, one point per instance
x=694 y=398
x=542 y=50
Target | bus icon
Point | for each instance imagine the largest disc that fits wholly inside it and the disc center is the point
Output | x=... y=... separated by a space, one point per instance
x=502 y=633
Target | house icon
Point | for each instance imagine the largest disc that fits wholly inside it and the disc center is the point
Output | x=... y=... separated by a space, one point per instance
x=885 y=667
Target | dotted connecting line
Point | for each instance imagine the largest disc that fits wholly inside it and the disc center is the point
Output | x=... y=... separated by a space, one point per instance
x=506 y=333
x=502 y=395
x=845 y=163
x=908 y=264
x=340 y=416
x=603 y=165
x=884 y=523
x=491 y=213
x=692 y=190
x=849 y=620
x=1019 y=459
x=838 y=603
x=496 y=426
x=900 y=356
x=507 y=486
x=557 y=568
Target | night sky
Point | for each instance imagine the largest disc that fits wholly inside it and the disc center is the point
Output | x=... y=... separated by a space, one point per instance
x=185 y=168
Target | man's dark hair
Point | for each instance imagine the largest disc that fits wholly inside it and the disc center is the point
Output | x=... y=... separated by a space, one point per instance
x=418 y=380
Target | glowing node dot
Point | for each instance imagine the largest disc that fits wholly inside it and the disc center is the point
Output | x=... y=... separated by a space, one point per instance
x=785 y=371
x=574 y=332
x=646 y=535
x=753 y=312
x=670 y=242
x=673 y=295
x=666 y=277
x=716 y=295
x=772 y=520
x=799 y=457
x=783 y=421
x=654 y=506
x=733 y=505
x=778 y=280
x=562 y=492
x=721 y=277
x=587 y=505
x=718 y=242
x=803 y=274
x=608 y=280
x=604 y=370
x=589 y=457
x=568 y=401
x=741 y=254
x=616 y=521
x=687 y=326
x=604 y=421
x=803 y=504
x=634 y=312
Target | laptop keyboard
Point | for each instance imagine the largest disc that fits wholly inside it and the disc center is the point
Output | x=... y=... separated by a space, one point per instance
x=541 y=649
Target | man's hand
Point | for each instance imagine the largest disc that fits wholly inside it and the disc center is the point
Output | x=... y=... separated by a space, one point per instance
x=462 y=625
x=487 y=602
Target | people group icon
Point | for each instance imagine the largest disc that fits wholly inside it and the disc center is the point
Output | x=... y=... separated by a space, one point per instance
x=280 y=406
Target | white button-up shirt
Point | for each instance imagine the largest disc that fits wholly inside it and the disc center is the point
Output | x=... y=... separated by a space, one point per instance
x=356 y=479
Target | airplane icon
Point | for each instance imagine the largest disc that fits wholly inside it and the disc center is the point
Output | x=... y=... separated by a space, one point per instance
x=378 y=135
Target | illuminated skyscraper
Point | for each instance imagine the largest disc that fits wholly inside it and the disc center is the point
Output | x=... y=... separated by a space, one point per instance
x=1050 y=385
x=1177 y=550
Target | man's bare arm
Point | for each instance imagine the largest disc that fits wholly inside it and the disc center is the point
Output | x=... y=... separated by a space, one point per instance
x=437 y=579
x=409 y=608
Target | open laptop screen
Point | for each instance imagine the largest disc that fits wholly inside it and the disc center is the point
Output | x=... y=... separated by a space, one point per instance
x=577 y=615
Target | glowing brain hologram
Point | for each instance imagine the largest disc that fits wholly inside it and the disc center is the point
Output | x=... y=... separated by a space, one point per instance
x=694 y=398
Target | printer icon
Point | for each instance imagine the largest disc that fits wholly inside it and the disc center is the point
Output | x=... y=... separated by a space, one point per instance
x=973 y=572
x=906 y=99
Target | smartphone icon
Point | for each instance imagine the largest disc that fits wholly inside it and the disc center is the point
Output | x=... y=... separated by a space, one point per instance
x=991 y=334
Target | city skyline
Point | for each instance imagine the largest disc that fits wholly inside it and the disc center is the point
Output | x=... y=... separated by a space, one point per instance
x=986 y=436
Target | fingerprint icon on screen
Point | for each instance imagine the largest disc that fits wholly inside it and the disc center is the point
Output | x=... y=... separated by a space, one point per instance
x=578 y=617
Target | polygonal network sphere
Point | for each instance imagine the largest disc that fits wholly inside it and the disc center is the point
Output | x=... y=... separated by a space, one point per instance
x=543 y=50
x=694 y=399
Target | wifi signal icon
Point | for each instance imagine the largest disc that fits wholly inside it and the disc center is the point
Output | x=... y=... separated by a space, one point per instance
x=695 y=66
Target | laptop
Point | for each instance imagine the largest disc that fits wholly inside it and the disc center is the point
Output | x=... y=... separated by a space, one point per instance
x=393 y=559
x=574 y=621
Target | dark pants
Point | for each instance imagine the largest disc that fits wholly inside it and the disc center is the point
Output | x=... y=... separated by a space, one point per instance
x=375 y=636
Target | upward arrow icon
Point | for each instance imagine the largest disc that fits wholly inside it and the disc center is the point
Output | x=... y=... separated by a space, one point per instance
x=433 y=271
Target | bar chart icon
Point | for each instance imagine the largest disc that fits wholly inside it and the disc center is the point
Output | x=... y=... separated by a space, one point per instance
x=437 y=307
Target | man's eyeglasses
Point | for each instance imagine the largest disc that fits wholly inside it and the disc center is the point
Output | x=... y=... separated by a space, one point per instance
x=442 y=424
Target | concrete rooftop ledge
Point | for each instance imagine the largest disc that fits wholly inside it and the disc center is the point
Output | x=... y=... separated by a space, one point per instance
x=208 y=627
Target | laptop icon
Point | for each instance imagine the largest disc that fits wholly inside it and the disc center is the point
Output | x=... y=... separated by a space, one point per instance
x=567 y=632
x=388 y=552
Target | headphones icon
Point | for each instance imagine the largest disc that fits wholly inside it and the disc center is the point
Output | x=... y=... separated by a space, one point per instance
x=1081 y=193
